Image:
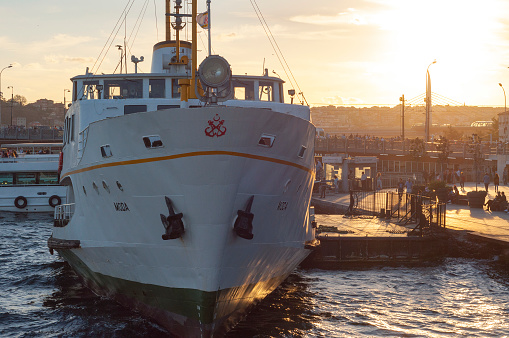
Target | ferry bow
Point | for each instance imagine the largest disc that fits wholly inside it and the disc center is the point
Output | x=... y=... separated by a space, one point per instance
x=188 y=187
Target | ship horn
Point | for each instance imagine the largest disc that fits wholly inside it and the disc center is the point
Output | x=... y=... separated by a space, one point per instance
x=172 y=224
x=243 y=226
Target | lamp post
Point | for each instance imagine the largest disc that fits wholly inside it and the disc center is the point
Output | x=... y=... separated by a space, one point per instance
x=65 y=91
x=428 y=102
x=12 y=99
x=9 y=66
x=505 y=101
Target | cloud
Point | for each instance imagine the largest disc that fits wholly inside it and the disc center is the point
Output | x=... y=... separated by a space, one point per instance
x=338 y=100
x=350 y=17
x=52 y=59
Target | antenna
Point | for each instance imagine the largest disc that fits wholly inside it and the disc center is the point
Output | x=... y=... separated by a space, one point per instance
x=263 y=68
x=135 y=60
x=121 y=56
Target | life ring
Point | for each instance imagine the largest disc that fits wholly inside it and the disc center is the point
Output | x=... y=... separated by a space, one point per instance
x=20 y=202
x=54 y=201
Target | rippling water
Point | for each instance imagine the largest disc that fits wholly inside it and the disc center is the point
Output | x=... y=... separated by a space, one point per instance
x=41 y=296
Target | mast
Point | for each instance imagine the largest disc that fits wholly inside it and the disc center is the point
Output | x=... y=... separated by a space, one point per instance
x=208 y=27
x=194 y=54
x=168 y=20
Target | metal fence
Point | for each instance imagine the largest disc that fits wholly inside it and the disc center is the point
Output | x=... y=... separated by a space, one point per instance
x=369 y=146
x=31 y=134
x=427 y=214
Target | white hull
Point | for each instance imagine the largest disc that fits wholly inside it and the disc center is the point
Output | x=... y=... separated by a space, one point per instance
x=119 y=201
x=37 y=197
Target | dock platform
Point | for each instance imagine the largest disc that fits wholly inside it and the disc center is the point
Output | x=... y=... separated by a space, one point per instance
x=371 y=239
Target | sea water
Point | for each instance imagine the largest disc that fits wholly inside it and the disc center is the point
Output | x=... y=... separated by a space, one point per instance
x=40 y=296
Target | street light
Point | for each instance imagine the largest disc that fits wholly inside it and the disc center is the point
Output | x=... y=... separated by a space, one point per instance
x=65 y=91
x=505 y=101
x=428 y=101
x=12 y=99
x=9 y=66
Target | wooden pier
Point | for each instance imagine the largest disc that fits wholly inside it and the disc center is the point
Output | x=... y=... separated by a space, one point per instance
x=362 y=239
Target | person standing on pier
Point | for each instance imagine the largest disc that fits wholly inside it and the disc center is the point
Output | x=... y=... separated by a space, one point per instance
x=486 y=180
x=462 y=181
x=322 y=187
x=379 y=181
x=496 y=181
x=401 y=186
x=364 y=181
x=409 y=186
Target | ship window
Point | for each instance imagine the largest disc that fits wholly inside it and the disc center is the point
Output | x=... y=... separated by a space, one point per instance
x=26 y=178
x=244 y=90
x=266 y=91
x=131 y=109
x=48 y=178
x=123 y=89
x=175 y=88
x=72 y=127
x=266 y=140
x=302 y=151
x=156 y=88
x=106 y=151
x=153 y=141
x=167 y=106
x=90 y=89
x=6 y=179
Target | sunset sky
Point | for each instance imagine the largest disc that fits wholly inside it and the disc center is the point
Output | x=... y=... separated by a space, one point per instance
x=341 y=52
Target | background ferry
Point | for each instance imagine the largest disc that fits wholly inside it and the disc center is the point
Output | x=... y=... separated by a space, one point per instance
x=29 y=181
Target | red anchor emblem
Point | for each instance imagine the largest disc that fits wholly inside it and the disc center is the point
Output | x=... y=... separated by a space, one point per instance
x=215 y=127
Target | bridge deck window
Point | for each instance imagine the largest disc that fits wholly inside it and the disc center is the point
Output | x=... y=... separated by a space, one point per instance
x=156 y=88
x=123 y=89
x=135 y=108
x=266 y=91
x=244 y=90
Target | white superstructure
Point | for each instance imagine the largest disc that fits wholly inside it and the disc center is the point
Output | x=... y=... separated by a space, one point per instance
x=29 y=179
x=187 y=209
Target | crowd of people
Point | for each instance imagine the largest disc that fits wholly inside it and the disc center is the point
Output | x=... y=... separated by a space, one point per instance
x=8 y=154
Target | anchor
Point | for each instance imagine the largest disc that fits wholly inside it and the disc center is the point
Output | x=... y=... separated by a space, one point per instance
x=172 y=224
x=243 y=226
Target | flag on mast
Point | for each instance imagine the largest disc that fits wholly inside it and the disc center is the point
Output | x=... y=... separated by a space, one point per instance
x=203 y=19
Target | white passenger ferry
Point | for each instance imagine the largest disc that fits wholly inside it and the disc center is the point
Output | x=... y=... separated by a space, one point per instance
x=29 y=179
x=189 y=188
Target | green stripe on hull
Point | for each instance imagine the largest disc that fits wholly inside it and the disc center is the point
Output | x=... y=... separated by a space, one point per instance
x=190 y=303
x=185 y=312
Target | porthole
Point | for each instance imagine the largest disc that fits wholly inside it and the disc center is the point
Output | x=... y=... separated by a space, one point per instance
x=153 y=141
x=95 y=187
x=105 y=186
x=120 y=187
x=84 y=190
x=106 y=151
x=266 y=140
x=302 y=151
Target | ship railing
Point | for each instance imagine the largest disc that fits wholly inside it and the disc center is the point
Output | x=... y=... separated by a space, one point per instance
x=82 y=142
x=41 y=158
x=63 y=214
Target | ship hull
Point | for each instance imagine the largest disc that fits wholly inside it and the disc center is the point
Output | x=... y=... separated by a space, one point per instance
x=210 y=163
x=39 y=198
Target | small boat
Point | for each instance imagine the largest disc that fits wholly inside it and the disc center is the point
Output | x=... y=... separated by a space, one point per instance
x=189 y=188
x=29 y=177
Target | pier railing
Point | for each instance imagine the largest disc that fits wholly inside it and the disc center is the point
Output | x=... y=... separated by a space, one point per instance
x=18 y=133
x=428 y=215
x=379 y=146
